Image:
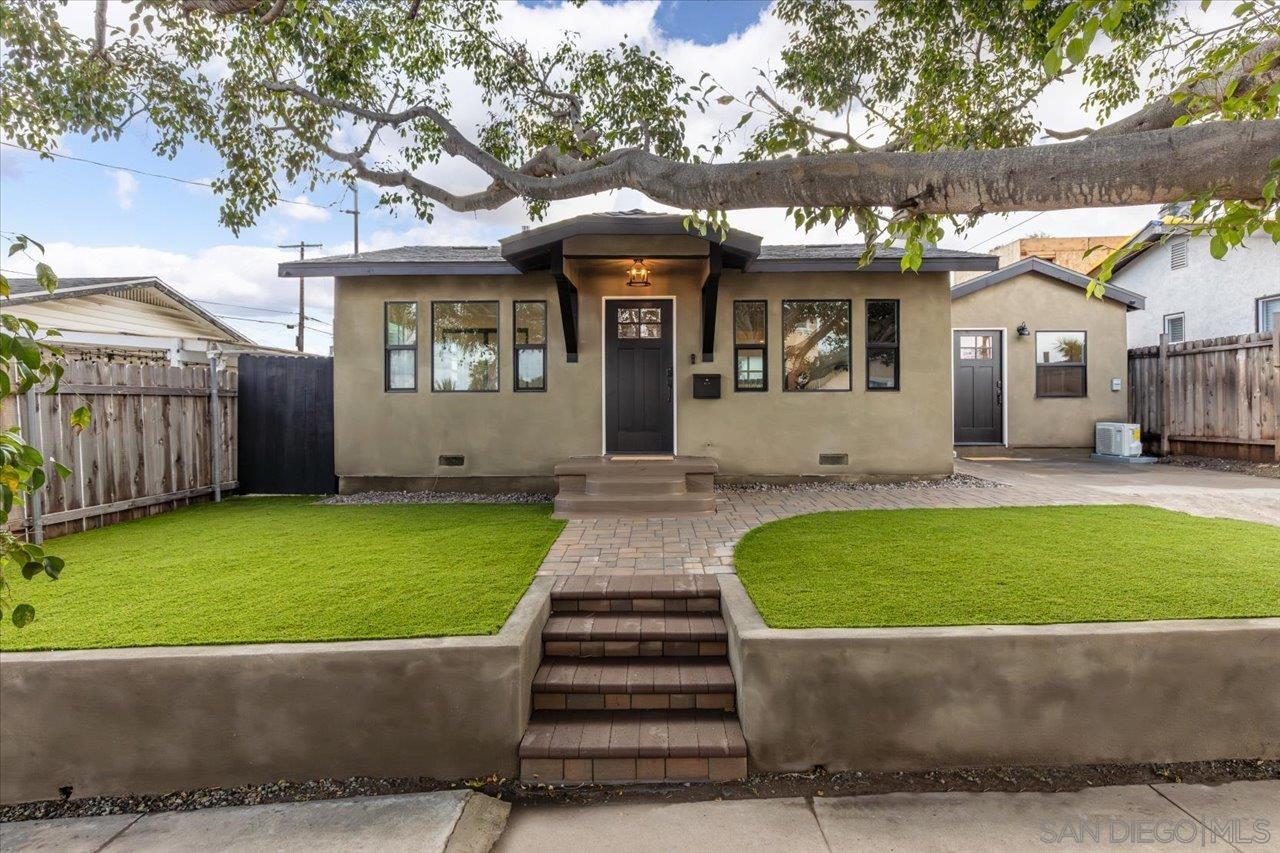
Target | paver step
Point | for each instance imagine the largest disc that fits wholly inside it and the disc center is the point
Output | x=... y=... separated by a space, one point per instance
x=635 y=627
x=571 y=504
x=635 y=588
x=633 y=683
x=630 y=746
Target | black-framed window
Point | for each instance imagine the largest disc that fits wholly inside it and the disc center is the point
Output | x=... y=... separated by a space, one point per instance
x=750 y=345
x=464 y=346
x=1062 y=360
x=530 y=336
x=400 y=345
x=883 y=344
x=816 y=348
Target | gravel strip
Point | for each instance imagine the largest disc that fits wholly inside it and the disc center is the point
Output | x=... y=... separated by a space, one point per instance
x=756 y=786
x=437 y=498
x=955 y=481
x=1235 y=466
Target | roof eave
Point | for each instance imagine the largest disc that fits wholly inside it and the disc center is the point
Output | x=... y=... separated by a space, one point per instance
x=346 y=269
x=974 y=264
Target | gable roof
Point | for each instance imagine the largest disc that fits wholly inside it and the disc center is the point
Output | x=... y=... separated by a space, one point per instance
x=27 y=291
x=535 y=249
x=1129 y=299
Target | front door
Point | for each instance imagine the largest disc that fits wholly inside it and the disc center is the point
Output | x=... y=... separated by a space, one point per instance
x=638 y=362
x=979 y=387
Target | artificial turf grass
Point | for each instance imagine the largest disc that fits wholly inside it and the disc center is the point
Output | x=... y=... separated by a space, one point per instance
x=256 y=570
x=1009 y=565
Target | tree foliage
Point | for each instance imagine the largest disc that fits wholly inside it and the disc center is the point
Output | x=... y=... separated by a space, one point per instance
x=899 y=119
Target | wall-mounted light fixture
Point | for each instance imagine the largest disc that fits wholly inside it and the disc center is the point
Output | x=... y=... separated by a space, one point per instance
x=1023 y=331
x=638 y=274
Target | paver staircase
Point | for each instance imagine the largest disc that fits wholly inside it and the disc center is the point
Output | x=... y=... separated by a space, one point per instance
x=635 y=684
x=648 y=486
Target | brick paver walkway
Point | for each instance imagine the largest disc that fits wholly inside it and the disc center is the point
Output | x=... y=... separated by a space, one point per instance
x=624 y=546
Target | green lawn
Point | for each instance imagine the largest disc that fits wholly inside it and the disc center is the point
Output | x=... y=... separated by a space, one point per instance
x=254 y=570
x=1015 y=565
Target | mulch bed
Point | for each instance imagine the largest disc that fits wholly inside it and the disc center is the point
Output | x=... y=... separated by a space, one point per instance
x=1235 y=466
x=817 y=783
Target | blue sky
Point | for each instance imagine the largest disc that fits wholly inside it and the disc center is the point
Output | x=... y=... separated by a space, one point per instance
x=101 y=221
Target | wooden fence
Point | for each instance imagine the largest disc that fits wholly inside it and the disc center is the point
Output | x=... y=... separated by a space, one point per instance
x=1213 y=397
x=149 y=448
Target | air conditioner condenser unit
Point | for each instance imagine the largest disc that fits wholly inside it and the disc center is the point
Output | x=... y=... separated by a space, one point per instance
x=1116 y=439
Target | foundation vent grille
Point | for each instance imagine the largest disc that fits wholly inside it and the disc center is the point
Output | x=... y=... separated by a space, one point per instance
x=452 y=461
x=833 y=458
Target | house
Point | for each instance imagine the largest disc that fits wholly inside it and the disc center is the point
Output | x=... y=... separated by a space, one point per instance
x=1190 y=295
x=1081 y=254
x=1036 y=361
x=127 y=315
x=623 y=333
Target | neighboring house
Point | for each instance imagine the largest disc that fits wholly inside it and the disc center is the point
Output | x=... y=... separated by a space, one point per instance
x=1190 y=294
x=1036 y=362
x=1080 y=254
x=139 y=315
x=625 y=334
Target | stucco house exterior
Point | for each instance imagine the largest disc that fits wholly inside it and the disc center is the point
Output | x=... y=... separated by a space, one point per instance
x=1036 y=362
x=1192 y=295
x=623 y=335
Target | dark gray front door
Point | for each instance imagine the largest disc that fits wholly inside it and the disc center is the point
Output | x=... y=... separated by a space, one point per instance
x=979 y=391
x=638 y=364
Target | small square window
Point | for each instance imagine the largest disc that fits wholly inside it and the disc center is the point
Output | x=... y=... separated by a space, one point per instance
x=650 y=315
x=650 y=330
x=628 y=315
x=628 y=330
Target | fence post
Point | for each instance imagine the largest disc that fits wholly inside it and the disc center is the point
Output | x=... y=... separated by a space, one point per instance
x=1275 y=385
x=215 y=418
x=31 y=434
x=1166 y=397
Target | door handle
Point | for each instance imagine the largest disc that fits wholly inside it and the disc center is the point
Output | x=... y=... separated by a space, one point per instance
x=999 y=392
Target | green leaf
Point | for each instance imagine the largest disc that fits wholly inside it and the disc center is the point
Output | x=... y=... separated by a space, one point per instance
x=1076 y=50
x=724 y=100
x=63 y=471
x=1052 y=62
x=82 y=417
x=1064 y=20
x=53 y=566
x=45 y=277
x=1218 y=247
x=23 y=615
x=32 y=569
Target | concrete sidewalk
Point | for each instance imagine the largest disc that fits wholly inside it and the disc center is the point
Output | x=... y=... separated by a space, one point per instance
x=1238 y=816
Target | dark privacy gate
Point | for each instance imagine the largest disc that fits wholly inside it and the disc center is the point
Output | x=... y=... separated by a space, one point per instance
x=286 y=425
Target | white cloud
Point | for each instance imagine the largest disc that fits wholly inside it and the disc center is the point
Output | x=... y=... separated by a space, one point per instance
x=303 y=209
x=126 y=187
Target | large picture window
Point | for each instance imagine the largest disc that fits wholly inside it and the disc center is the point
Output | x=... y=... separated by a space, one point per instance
x=1061 y=361
x=750 y=347
x=815 y=345
x=531 y=346
x=882 y=345
x=464 y=346
x=400 y=343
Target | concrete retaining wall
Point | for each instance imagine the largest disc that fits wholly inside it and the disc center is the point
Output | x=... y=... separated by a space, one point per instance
x=918 y=698
x=152 y=720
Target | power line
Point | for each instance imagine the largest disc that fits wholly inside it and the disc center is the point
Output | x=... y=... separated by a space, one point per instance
x=173 y=178
x=1007 y=230
x=259 y=308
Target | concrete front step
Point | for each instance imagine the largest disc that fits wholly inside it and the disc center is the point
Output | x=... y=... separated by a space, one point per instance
x=657 y=485
x=590 y=486
x=632 y=746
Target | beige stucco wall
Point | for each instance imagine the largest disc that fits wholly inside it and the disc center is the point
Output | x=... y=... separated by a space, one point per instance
x=1045 y=304
x=505 y=434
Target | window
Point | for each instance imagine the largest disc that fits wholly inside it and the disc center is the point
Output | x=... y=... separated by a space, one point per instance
x=1178 y=254
x=639 y=323
x=464 y=346
x=400 y=342
x=750 y=346
x=1268 y=309
x=882 y=344
x=977 y=347
x=1175 y=327
x=1060 y=364
x=815 y=345
x=531 y=346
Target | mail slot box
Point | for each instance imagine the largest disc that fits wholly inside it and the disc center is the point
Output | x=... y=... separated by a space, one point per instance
x=706 y=386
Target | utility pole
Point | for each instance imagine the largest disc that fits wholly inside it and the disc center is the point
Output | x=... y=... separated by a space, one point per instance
x=302 y=247
x=355 y=215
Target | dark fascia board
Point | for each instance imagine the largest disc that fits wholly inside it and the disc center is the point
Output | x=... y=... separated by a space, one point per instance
x=118 y=286
x=938 y=264
x=1129 y=299
x=525 y=249
x=342 y=269
x=1150 y=234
